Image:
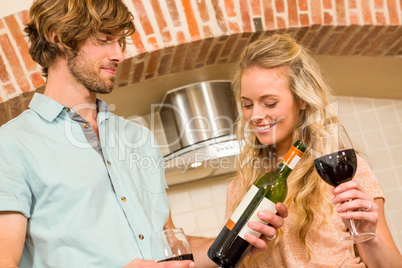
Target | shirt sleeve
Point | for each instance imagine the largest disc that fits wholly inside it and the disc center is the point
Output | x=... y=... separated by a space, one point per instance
x=15 y=194
x=366 y=178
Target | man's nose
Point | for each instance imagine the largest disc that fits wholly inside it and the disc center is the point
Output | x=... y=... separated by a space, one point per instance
x=116 y=54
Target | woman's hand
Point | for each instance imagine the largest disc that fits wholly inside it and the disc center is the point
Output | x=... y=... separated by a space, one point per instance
x=268 y=231
x=357 y=205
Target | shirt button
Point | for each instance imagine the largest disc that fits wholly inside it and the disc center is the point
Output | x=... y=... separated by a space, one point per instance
x=141 y=236
x=68 y=110
x=86 y=126
x=109 y=163
x=124 y=199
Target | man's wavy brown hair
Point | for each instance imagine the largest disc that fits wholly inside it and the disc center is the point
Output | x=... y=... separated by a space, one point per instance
x=73 y=21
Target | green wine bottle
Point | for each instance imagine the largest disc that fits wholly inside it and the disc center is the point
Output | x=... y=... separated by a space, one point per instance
x=230 y=247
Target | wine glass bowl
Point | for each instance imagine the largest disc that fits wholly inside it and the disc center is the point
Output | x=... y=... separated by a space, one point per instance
x=170 y=245
x=338 y=167
x=336 y=162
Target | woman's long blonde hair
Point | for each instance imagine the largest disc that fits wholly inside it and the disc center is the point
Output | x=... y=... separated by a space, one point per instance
x=306 y=84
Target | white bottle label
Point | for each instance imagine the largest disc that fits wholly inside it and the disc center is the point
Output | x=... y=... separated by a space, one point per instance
x=294 y=162
x=265 y=205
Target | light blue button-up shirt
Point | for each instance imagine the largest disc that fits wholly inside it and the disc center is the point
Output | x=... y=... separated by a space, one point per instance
x=84 y=209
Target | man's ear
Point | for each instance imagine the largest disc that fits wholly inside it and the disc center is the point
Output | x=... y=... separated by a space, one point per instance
x=55 y=39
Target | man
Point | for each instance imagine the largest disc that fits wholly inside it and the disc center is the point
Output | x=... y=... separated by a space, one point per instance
x=69 y=196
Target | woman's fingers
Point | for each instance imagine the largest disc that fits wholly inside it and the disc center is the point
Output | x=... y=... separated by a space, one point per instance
x=256 y=242
x=360 y=215
x=281 y=209
x=358 y=205
x=355 y=204
x=346 y=186
x=264 y=229
x=348 y=195
x=351 y=190
x=267 y=229
x=351 y=197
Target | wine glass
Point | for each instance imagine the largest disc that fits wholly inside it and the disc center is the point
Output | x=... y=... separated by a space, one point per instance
x=336 y=163
x=170 y=245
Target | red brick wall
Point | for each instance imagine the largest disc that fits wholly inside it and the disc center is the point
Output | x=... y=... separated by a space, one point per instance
x=177 y=35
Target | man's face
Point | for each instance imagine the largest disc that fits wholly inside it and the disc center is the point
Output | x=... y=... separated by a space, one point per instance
x=94 y=65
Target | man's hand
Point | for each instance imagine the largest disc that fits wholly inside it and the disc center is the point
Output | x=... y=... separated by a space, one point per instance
x=268 y=231
x=138 y=263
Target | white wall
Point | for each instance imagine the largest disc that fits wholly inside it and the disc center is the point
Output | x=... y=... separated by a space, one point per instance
x=9 y=7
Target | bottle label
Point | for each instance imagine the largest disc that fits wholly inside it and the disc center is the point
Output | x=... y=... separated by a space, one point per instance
x=265 y=205
x=294 y=161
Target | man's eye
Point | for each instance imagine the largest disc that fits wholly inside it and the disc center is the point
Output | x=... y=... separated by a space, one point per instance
x=105 y=41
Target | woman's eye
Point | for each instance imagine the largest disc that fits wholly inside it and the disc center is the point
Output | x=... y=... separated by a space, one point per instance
x=270 y=104
x=247 y=106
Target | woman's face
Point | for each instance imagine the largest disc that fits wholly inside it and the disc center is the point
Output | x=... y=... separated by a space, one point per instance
x=269 y=106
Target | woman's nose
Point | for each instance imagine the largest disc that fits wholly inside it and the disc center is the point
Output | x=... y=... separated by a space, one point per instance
x=257 y=114
x=257 y=117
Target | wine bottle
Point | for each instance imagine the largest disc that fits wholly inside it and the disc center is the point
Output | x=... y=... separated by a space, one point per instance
x=230 y=247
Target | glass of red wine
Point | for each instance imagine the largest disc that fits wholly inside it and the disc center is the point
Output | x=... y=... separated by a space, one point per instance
x=336 y=163
x=170 y=245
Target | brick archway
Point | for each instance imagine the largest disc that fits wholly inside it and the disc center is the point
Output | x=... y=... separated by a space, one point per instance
x=174 y=36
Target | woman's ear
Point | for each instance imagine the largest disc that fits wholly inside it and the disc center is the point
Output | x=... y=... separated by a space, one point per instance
x=303 y=105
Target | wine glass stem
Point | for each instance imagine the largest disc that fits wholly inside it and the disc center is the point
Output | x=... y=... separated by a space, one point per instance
x=353 y=227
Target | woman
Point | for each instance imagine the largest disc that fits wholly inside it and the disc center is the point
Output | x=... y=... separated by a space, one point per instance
x=284 y=98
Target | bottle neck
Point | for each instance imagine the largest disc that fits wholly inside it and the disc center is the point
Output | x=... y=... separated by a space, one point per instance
x=283 y=169
x=289 y=162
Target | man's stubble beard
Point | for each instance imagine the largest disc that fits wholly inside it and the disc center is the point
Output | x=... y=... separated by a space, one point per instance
x=83 y=70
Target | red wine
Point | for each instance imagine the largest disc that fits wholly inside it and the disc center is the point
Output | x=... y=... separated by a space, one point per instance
x=180 y=258
x=338 y=167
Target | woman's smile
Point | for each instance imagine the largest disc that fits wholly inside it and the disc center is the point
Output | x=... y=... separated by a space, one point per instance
x=262 y=129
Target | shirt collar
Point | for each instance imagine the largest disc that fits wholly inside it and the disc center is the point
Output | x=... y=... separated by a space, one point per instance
x=46 y=107
x=103 y=110
x=102 y=106
x=49 y=109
